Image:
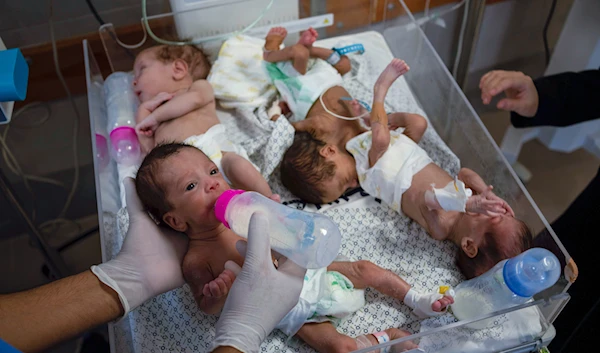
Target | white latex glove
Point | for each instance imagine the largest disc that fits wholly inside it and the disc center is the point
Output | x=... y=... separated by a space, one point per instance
x=260 y=296
x=150 y=259
x=421 y=303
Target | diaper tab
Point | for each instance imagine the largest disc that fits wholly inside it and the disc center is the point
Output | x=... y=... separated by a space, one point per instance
x=453 y=197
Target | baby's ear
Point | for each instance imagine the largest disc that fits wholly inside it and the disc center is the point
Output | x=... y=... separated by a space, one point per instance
x=469 y=247
x=328 y=151
x=174 y=222
x=180 y=69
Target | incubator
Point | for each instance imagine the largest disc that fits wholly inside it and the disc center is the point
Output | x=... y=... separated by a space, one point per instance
x=456 y=137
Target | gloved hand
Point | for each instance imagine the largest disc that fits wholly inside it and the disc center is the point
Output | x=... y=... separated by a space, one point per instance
x=150 y=259
x=430 y=304
x=260 y=296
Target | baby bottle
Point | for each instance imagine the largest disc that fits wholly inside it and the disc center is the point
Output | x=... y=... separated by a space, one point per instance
x=121 y=107
x=98 y=116
x=511 y=282
x=311 y=240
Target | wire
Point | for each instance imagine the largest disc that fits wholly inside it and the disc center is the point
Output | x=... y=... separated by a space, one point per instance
x=93 y=10
x=545 y=32
x=198 y=41
x=461 y=37
x=337 y=115
x=75 y=122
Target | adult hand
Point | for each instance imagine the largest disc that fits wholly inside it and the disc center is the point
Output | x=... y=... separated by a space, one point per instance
x=260 y=296
x=150 y=259
x=521 y=94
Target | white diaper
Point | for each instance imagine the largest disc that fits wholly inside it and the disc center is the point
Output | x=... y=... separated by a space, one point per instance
x=213 y=143
x=300 y=92
x=392 y=175
x=326 y=296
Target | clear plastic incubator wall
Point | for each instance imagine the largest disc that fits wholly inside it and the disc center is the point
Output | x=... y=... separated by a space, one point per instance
x=456 y=138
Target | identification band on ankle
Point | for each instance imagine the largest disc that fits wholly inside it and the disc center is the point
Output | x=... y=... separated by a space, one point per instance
x=350 y=49
x=334 y=58
x=383 y=337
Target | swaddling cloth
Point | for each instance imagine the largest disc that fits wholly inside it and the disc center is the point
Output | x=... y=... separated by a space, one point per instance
x=300 y=92
x=326 y=296
x=392 y=175
x=213 y=143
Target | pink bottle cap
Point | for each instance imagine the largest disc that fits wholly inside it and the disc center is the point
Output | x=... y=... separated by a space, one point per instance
x=122 y=133
x=223 y=202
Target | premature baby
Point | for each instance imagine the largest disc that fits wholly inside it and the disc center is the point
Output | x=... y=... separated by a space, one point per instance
x=330 y=156
x=179 y=185
x=178 y=105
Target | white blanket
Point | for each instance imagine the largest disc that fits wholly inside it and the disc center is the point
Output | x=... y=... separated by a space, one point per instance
x=172 y=323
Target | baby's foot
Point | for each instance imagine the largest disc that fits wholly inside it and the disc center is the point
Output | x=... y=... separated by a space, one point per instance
x=442 y=304
x=390 y=74
x=308 y=37
x=274 y=38
x=394 y=334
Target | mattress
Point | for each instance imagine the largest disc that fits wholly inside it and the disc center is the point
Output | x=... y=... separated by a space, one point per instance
x=371 y=231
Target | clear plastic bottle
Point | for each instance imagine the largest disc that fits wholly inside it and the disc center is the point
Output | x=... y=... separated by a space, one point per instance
x=311 y=240
x=98 y=115
x=511 y=282
x=121 y=107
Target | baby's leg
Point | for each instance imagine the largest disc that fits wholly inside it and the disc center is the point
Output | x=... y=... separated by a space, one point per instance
x=297 y=53
x=243 y=175
x=325 y=338
x=343 y=66
x=414 y=124
x=365 y=274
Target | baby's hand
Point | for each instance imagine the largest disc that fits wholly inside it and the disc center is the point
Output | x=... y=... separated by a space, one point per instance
x=487 y=203
x=147 y=126
x=489 y=194
x=155 y=102
x=219 y=287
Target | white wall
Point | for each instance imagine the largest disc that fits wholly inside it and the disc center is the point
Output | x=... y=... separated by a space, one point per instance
x=578 y=47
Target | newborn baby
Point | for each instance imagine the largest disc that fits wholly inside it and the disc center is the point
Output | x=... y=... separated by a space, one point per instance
x=321 y=165
x=178 y=105
x=179 y=186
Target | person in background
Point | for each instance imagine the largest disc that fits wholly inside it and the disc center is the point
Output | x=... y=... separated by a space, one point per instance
x=149 y=264
x=561 y=100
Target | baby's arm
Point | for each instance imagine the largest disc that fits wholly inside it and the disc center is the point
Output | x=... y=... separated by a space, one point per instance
x=243 y=175
x=380 y=133
x=209 y=292
x=414 y=124
x=198 y=95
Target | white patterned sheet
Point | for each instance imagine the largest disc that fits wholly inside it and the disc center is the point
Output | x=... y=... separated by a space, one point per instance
x=172 y=323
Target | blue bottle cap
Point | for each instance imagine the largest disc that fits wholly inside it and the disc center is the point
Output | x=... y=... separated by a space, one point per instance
x=531 y=272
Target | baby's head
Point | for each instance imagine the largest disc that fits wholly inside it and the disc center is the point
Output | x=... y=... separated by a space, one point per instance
x=317 y=172
x=167 y=68
x=179 y=185
x=489 y=240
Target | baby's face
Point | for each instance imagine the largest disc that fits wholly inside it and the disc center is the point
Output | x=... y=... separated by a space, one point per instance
x=151 y=76
x=345 y=177
x=193 y=184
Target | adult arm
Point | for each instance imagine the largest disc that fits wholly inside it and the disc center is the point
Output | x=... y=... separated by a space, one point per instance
x=41 y=317
x=559 y=100
x=564 y=99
